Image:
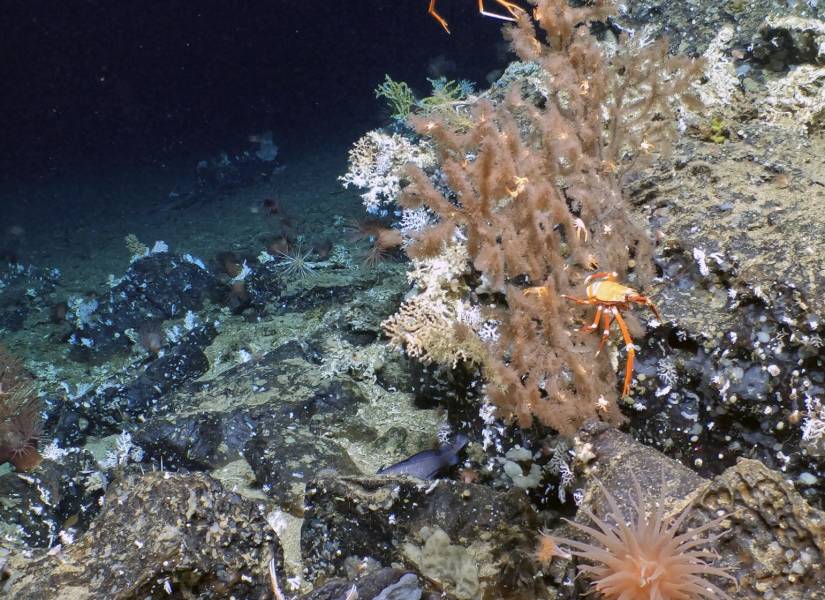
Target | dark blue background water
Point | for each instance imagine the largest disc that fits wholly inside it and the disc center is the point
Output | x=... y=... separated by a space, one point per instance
x=115 y=82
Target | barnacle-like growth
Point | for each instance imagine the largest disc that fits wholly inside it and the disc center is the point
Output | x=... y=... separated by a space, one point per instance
x=647 y=559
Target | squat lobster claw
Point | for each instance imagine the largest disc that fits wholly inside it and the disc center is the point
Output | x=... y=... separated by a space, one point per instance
x=513 y=9
x=611 y=298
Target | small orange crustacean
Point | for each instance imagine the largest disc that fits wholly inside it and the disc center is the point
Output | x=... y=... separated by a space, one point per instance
x=511 y=8
x=611 y=298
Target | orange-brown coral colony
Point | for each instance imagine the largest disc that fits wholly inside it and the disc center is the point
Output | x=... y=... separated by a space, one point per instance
x=536 y=166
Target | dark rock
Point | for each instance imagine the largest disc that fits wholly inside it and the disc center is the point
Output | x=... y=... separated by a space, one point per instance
x=229 y=172
x=392 y=583
x=785 y=41
x=201 y=441
x=157 y=287
x=208 y=439
x=24 y=289
x=449 y=532
x=285 y=458
x=158 y=535
x=54 y=497
x=264 y=285
x=103 y=409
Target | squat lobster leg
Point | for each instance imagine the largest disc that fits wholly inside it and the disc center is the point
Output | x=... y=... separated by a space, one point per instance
x=631 y=351
x=513 y=9
x=595 y=324
x=437 y=16
x=644 y=300
x=608 y=321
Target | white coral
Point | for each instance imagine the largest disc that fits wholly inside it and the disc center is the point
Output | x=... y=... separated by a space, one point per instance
x=414 y=220
x=375 y=165
x=424 y=325
x=813 y=427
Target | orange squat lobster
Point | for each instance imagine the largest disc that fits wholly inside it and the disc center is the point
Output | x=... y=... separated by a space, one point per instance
x=513 y=9
x=611 y=298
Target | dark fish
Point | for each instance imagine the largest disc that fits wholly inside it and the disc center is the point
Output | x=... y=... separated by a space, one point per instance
x=429 y=463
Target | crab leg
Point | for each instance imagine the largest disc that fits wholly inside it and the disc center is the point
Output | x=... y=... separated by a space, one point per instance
x=595 y=324
x=608 y=321
x=511 y=8
x=599 y=275
x=631 y=351
x=437 y=16
x=646 y=301
x=576 y=300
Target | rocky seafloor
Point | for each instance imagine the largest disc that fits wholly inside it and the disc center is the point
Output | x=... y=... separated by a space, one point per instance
x=238 y=454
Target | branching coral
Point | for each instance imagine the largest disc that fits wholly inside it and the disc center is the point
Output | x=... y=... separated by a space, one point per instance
x=522 y=196
x=534 y=192
x=376 y=162
x=398 y=95
x=436 y=325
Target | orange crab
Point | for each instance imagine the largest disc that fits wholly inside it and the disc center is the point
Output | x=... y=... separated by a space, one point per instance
x=611 y=298
x=513 y=9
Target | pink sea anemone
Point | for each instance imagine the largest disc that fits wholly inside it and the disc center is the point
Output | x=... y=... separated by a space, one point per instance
x=647 y=559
